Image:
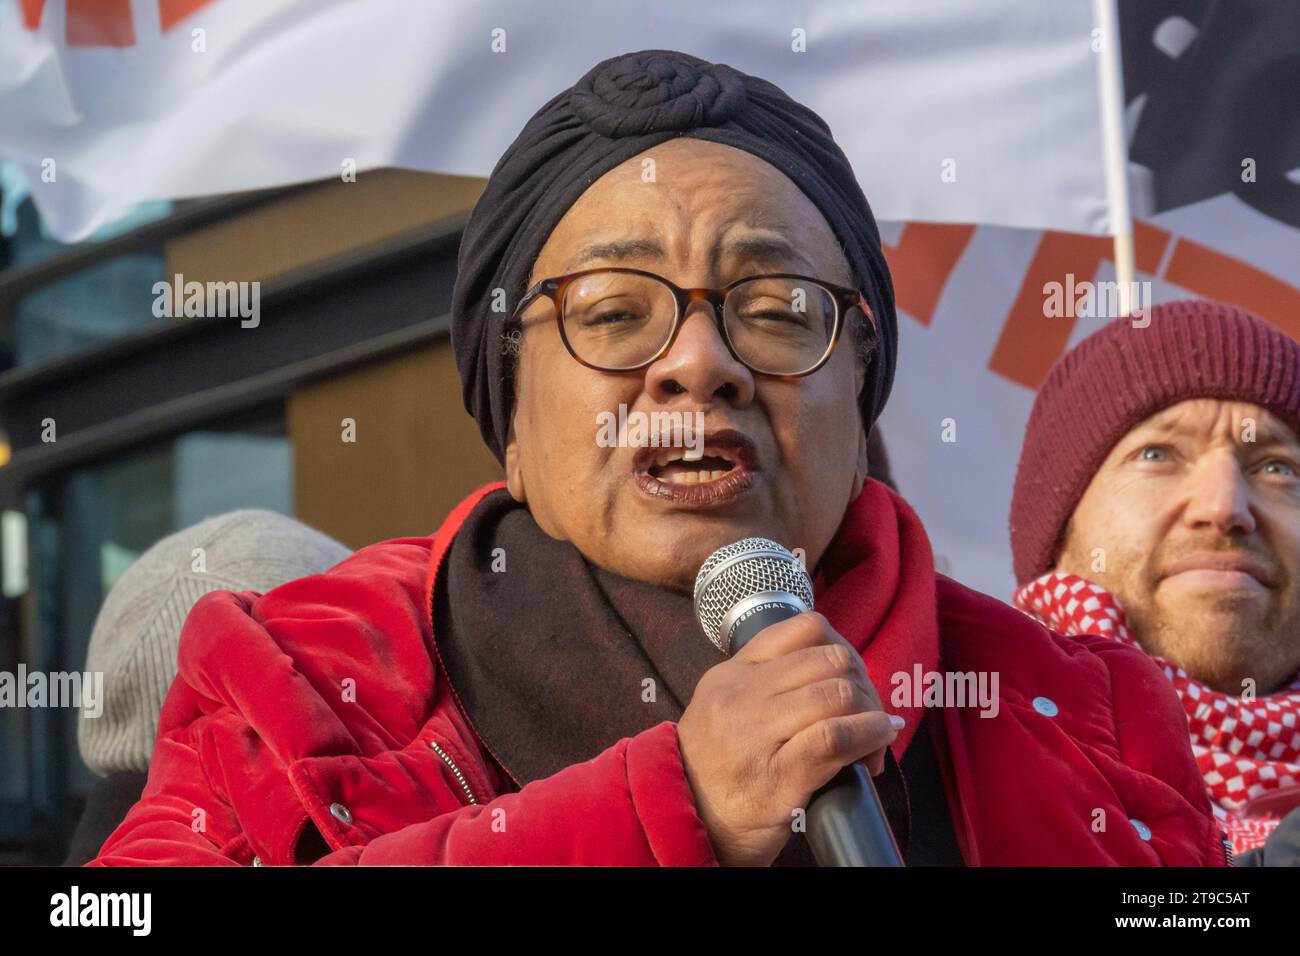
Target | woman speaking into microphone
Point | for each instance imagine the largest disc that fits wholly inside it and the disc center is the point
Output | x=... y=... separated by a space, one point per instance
x=668 y=241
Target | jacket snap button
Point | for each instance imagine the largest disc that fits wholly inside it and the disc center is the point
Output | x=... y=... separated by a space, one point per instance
x=1045 y=706
x=341 y=813
x=1143 y=830
x=257 y=861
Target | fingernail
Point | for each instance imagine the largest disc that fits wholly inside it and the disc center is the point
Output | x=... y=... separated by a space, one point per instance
x=898 y=722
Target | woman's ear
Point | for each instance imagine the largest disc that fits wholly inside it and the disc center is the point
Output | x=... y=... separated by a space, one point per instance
x=514 y=467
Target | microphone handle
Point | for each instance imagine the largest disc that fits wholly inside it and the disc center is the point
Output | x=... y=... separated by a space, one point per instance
x=847 y=825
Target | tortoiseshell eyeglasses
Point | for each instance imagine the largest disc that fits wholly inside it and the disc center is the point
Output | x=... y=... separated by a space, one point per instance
x=620 y=320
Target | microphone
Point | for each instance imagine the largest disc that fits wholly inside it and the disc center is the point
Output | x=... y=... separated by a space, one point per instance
x=741 y=589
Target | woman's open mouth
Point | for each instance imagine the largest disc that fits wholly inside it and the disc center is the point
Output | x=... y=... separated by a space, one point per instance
x=719 y=471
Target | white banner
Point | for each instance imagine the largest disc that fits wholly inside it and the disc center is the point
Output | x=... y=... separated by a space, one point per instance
x=950 y=110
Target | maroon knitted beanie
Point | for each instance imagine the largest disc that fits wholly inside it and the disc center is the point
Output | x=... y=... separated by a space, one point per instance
x=1121 y=375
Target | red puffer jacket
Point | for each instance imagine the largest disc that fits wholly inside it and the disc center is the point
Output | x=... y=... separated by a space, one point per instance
x=322 y=703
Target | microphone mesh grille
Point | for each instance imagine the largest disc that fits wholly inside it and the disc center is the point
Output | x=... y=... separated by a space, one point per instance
x=752 y=566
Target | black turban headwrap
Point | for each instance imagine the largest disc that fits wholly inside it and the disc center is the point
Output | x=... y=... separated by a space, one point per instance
x=624 y=106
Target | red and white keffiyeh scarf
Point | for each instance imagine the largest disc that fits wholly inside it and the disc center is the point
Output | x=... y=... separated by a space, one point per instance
x=1246 y=749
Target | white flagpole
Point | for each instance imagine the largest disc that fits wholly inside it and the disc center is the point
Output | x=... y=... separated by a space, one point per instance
x=1114 y=145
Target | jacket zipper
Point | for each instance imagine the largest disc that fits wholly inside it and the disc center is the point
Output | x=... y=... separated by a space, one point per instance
x=446 y=758
x=474 y=730
x=1227 y=848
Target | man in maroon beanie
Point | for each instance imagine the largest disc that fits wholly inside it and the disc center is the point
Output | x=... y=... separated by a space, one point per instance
x=1157 y=501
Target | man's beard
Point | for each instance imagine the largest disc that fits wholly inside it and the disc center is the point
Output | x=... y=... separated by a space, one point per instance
x=1224 y=643
x=1228 y=640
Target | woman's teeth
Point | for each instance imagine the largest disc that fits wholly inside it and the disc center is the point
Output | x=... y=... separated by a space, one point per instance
x=691 y=477
x=671 y=455
x=673 y=468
